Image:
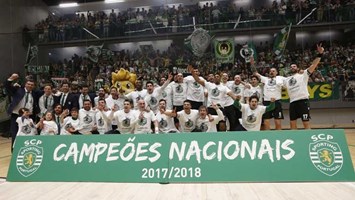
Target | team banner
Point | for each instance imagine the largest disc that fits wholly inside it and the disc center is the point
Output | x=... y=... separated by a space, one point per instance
x=268 y=156
x=280 y=40
x=198 y=42
x=224 y=51
x=319 y=91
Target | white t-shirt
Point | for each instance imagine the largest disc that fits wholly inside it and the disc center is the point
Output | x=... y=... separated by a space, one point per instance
x=49 y=128
x=165 y=122
x=272 y=87
x=82 y=98
x=143 y=126
x=26 y=127
x=251 y=119
x=103 y=122
x=167 y=95
x=110 y=103
x=87 y=121
x=206 y=126
x=238 y=90
x=216 y=93
x=195 y=91
x=136 y=95
x=125 y=121
x=187 y=121
x=297 y=86
x=178 y=93
x=152 y=100
x=69 y=122
x=228 y=101
x=255 y=91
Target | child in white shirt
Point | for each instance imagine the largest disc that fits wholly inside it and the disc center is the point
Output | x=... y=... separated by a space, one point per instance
x=49 y=127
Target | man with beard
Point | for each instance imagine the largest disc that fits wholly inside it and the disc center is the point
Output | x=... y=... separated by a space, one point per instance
x=155 y=94
x=87 y=119
x=252 y=113
x=115 y=101
x=138 y=94
x=178 y=91
x=165 y=120
x=57 y=112
x=67 y=99
x=297 y=90
x=100 y=95
x=46 y=101
x=195 y=92
x=217 y=94
x=272 y=89
x=85 y=95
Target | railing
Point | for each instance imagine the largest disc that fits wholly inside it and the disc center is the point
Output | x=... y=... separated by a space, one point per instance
x=133 y=27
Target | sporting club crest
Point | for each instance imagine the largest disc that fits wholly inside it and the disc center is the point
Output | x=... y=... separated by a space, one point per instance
x=196 y=85
x=189 y=123
x=153 y=101
x=179 y=89
x=126 y=122
x=29 y=159
x=100 y=122
x=272 y=82
x=163 y=123
x=326 y=156
x=203 y=127
x=237 y=90
x=87 y=119
x=251 y=118
x=142 y=121
x=215 y=92
x=292 y=81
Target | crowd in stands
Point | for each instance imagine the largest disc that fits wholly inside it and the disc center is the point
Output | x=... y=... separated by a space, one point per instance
x=337 y=65
x=173 y=19
x=73 y=109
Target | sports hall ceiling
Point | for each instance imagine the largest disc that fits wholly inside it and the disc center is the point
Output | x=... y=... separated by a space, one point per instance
x=57 y=2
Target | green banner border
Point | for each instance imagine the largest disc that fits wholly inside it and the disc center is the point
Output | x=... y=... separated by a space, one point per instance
x=267 y=156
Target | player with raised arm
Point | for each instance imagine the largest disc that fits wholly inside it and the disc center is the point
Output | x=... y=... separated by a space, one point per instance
x=297 y=89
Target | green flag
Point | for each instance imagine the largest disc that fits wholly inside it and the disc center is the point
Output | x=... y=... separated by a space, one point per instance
x=198 y=42
x=247 y=51
x=281 y=40
x=224 y=50
x=252 y=46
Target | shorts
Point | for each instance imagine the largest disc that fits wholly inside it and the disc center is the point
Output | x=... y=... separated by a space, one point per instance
x=195 y=104
x=300 y=109
x=276 y=113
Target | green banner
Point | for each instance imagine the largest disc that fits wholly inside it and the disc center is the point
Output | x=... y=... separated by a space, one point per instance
x=280 y=40
x=319 y=91
x=268 y=156
x=224 y=51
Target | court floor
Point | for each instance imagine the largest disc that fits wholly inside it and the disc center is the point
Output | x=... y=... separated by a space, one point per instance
x=220 y=191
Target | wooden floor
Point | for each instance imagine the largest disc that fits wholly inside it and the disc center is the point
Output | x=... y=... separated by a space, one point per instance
x=230 y=191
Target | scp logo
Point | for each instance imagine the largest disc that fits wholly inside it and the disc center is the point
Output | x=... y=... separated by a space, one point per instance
x=325 y=155
x=29 y=157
